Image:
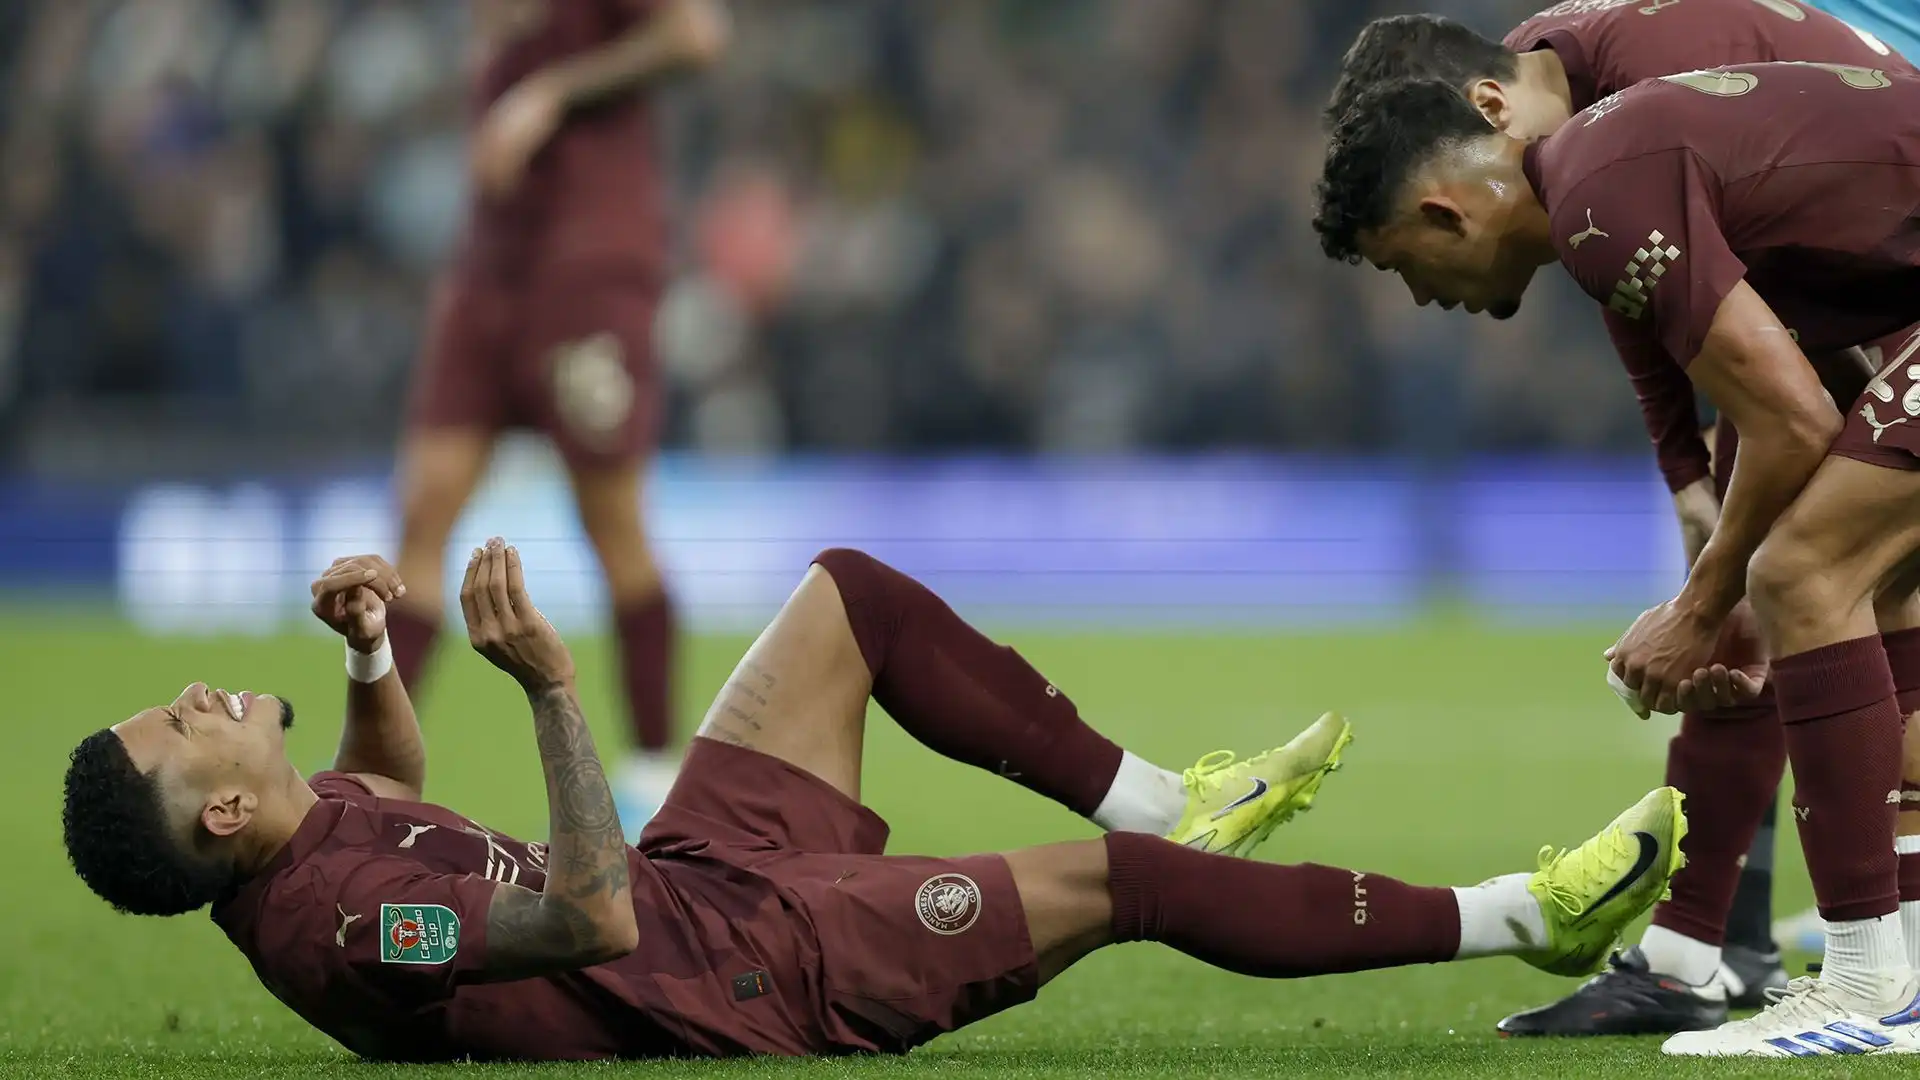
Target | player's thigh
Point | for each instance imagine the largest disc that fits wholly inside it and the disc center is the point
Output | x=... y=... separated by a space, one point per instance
x=800 y=692
x=911 y=946
x=586 y=370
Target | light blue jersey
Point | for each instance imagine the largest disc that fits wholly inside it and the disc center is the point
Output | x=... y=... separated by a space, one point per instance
x=1896 y=23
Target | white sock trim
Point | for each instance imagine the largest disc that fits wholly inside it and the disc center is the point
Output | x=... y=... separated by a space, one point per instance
x=1910 y=929
x=1906 y=845
x=1669 y=952
x=1498 y=918
x=1143 y=798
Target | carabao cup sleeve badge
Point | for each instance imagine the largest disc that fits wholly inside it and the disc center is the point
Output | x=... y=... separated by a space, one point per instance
x=418 y=934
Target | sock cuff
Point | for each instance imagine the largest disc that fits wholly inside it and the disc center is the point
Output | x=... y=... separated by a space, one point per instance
x=1907 y=846
x=1129 y=877
x=1832 y=680
x=862 y=583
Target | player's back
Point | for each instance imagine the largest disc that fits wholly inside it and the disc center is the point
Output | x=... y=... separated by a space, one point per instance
x=1608 y=45
x=591 y=194
x=1808 y=174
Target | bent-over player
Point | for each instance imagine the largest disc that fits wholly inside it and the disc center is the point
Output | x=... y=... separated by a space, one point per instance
x=1734 y=217
x=758 y=914
x=1728 y=760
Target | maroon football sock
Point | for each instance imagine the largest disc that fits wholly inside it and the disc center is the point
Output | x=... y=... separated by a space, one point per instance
x=1271 y=920
x=411 y=634
x=1729 y=763
x=1843 y=731
x=644 y=631
x=963 y=696
x=1903 y=659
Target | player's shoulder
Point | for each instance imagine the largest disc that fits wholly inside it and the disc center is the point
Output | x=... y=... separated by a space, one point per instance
x=1567 y=17
x=1611 y=136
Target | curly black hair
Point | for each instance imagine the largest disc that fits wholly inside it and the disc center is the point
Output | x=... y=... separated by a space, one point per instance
x=1416 y=47
x=1389 y=133
x=118 y=839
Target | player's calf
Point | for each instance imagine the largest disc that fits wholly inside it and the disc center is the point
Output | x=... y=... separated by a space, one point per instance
x=973 y=700
x=1279 y=921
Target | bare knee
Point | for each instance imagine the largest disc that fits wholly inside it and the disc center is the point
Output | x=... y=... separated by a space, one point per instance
x=1797 y=594
x=1064 y=894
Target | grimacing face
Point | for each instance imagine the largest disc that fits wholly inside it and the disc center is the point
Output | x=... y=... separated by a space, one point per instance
x=215 y=751
x=1449 y=258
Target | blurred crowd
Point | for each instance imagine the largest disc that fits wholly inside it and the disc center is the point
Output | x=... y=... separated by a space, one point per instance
x=1075 y=225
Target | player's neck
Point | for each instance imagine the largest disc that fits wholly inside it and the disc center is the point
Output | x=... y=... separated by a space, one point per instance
x=274 y=823
x=1542 y=73
x=1520 y=219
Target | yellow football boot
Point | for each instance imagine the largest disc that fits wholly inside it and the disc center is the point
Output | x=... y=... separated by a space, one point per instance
x=1233 y=805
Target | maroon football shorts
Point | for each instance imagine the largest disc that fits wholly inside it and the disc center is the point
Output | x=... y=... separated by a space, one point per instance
x=566 y=354
x=908 y=947
x=1883 y=424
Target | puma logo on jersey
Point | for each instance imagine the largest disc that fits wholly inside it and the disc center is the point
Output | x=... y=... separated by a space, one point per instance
x=1587 y=233
x=346 y=920
x=1873 y=421
x=414 y=832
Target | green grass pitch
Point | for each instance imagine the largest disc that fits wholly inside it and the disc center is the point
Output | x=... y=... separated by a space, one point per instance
x=1474 y=747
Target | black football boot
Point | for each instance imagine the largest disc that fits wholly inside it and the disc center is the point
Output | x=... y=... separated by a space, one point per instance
x=1625 y=999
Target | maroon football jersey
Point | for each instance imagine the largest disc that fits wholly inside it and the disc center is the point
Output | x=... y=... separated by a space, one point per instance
x=1803 y=179
x=1607 y=46
x=371 y=925
x=591 y=195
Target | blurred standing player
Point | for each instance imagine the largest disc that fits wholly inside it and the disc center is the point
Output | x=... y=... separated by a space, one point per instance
x=545 y=319
x=1728 y=760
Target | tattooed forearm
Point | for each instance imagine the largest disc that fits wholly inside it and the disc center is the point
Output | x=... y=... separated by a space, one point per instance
x=585 y=915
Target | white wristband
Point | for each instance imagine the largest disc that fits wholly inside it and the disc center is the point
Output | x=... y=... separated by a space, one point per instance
x=370 y=667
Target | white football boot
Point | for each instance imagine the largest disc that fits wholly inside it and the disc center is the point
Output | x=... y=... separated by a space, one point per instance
x=1811 y=1019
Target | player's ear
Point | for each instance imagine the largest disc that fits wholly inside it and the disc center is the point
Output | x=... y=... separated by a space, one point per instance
x=1440 y=212
x=227 y=812
x=1488 y=96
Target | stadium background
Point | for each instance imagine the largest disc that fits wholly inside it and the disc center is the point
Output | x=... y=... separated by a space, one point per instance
x=1019 y=296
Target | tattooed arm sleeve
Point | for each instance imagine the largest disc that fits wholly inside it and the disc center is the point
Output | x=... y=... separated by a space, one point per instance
x=584 y=916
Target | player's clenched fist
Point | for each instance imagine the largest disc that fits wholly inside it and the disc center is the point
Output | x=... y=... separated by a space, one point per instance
x=351 y=598
x=505 y=627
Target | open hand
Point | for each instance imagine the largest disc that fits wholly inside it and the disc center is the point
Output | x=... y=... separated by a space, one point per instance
x=351 y=598
x=505 y=627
